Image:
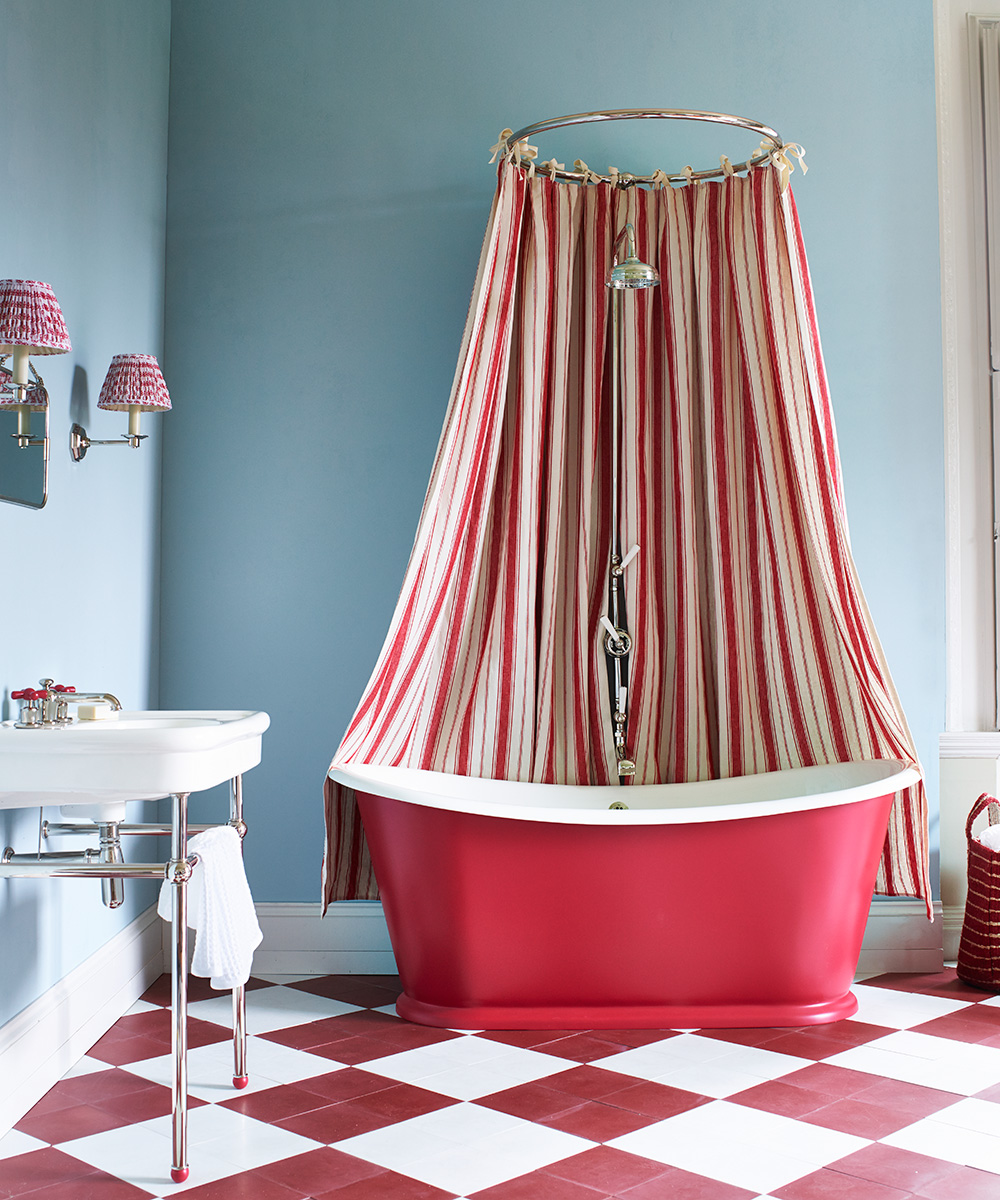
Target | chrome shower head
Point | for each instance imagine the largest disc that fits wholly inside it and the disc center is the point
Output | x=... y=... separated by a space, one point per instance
x=632 y=272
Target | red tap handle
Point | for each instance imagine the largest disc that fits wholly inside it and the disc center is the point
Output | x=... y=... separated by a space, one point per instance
x=59 y=687
x=21 y=695
x=26 y=694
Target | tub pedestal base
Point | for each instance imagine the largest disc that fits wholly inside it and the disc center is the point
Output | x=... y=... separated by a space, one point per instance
x=639 y=1016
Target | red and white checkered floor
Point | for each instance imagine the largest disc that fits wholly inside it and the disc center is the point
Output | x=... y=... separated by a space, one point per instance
x=348 y=1102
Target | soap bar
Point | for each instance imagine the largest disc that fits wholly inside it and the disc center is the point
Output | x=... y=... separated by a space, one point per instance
x=96 y=712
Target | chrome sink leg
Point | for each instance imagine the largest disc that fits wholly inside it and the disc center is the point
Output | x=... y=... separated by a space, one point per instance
x=240 y=1076
x=179 y=872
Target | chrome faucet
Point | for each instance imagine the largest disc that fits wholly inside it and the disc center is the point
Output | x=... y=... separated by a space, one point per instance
x=47 y=706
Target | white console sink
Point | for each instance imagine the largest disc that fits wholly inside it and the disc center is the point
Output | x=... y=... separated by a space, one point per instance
x=138 y=756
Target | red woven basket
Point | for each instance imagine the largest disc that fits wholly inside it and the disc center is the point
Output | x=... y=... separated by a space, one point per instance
x=979 y=949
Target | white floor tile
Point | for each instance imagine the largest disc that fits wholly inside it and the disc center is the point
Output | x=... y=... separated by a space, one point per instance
x=236 y=1138
x=464 y=1148
x=282 y=979
x=271 y=1008
x=142 y=1157
x=467 y=1068
x=15 y=1142
x=939 y=1139
x=981 y=1116
x=706 y=1065
x=142 y=1006
x=210 y=1068
x=86 y=1066
x=950 y=1066
x=993 y=1002
x=901 y=1010
x=746 y=1148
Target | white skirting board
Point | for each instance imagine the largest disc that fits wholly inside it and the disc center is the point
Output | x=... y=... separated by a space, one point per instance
x=352 y=939
x=898 y=937
x=44 y=1040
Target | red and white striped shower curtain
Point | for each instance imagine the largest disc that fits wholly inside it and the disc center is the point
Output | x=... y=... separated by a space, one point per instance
x=753 y=649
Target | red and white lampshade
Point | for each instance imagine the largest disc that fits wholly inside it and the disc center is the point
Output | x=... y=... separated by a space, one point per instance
x=30 y=317
x=31 y=322
x=134 y=384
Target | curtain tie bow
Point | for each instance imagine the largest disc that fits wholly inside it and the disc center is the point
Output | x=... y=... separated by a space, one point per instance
x=501 y=146
x=780 y=158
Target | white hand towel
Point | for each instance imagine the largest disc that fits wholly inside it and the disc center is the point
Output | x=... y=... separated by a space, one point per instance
x=220 y=908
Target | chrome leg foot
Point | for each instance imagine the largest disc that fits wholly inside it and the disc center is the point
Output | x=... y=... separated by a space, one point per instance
x=240 y=1077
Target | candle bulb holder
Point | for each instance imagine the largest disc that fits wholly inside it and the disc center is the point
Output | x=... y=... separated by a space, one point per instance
x=134 y=385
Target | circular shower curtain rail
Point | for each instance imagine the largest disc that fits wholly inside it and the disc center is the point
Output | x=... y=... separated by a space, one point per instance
x=762 y=155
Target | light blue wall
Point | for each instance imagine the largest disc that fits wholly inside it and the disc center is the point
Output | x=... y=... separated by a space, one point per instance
x=82 y=207
x=329 y=188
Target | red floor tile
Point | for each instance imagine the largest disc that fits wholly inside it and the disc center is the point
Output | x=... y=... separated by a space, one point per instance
x=859 y=1117
x=249 y=1185
x=118 y=1050
x=895 y=1168
x=829 y=1185
x=536 y=1186
x=319 y=1171
x=335 y=1122
x=597 y=1121
x=38 y=1169
x=746 y=1037
x=657 y=1100
x=836 y=1082
x=605 y=1169
x=351 y=1051
x=276 y=1103
x=403 y=1101
x=582 y=1047
x=588 y=1083
x=386 y=1186
x=853 y=1033
x=343 y=987
x=675 y=1184
x=527 y=1039
x=157 y=1026
x=945 y=983
x=960 y=1028
x=908 y=1098
x=347 y=1084
x=784 y=1099
x=530 y=1101
x=818 y=1046
x=98 y=1086
x=151 y=1101
x=198 y=989
x=962 y=1183
x=96 y=1186
x=65 y=1124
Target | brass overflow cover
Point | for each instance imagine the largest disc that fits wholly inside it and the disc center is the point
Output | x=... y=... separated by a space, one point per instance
x=617 y=804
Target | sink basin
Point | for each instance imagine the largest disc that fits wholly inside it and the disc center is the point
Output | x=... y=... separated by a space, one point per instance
x=139 y=756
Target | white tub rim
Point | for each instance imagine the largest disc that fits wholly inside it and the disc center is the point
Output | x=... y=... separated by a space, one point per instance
x=747 y=796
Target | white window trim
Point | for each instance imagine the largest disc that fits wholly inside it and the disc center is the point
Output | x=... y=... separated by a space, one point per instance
x=970 y=609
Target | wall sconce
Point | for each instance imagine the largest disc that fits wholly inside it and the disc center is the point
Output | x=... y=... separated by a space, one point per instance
x=133 y=384
x=31 y=322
